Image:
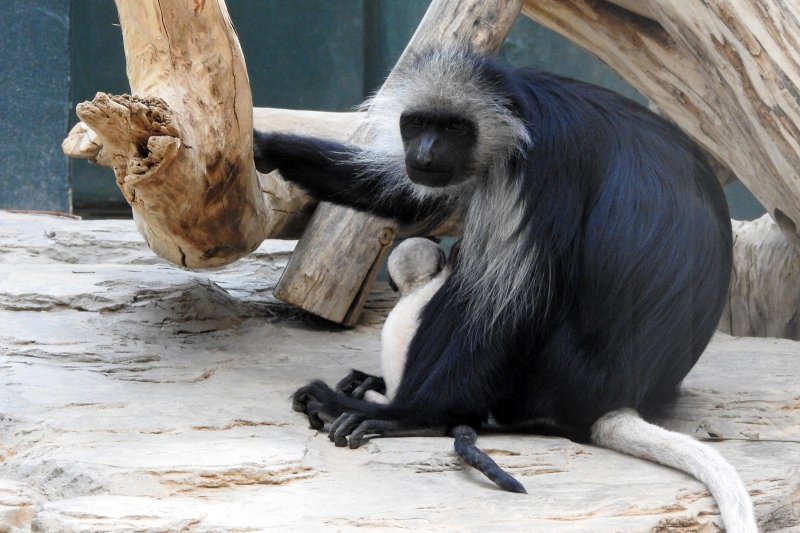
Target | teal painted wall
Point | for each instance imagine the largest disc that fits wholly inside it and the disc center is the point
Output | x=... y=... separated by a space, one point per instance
x=97 y=62
x=34 y=99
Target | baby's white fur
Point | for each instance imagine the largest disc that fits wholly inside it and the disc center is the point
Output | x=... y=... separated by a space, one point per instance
x=624 y=431
x=418 y=276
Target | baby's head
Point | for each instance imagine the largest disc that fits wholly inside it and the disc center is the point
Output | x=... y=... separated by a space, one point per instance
x=414 y=262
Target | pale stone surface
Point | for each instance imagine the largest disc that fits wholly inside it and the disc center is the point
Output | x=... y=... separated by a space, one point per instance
x=136 y=396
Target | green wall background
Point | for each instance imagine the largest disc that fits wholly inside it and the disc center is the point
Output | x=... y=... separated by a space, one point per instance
x=34 y=104
x=308 y=54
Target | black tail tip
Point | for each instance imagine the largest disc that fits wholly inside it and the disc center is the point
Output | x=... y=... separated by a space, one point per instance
x=511 y=485
x=465 y=437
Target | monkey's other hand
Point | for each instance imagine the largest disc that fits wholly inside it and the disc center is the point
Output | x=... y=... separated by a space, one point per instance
x=360 y=428
x=261 y=143
x=357 y=383
x=311 y=400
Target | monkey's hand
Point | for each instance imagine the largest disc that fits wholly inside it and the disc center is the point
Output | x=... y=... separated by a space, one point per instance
x=311 y=401
x=261 y=143
x=360 y=429
x=357 y=419
x=357 y=383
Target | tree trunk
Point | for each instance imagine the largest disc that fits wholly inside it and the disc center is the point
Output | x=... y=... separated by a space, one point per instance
x=728 y=73
x=290 y=208
x=764 y=299
x=181 y=147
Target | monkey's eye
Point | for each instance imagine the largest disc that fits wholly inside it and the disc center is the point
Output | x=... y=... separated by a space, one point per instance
x=417 y=121
x=455 y=125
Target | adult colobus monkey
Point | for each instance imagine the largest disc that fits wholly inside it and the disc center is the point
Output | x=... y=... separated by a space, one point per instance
x=595 y=257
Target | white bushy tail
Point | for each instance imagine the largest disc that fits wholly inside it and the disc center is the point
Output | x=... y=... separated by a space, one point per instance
x=625 y=431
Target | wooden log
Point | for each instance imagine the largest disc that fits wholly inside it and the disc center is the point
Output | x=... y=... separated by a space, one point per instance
x=764 y=297
x=287 y=207
x=181 y=147
x=83 y=143
x=340 y=253
x=728 y=73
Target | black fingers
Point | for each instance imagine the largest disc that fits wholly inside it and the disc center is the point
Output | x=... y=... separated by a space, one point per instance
x=392 y=428
x=316 y=400
x=369 y=427
x=344 y=426
x=357 y=383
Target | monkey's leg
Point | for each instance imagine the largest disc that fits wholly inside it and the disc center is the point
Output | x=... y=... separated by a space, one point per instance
x=360 y=429
x=357 y=383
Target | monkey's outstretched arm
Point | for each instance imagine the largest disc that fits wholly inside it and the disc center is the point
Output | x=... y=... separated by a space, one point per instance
x=330 y=171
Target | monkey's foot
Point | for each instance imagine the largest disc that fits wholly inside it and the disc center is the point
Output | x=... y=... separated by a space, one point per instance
x=310 y=400
x=360 y=429
x=357 y=383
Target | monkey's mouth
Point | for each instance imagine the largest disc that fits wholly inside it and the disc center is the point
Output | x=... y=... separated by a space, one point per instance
x=428 y=177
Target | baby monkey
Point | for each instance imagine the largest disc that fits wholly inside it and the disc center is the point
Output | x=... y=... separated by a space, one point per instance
x=417 y=269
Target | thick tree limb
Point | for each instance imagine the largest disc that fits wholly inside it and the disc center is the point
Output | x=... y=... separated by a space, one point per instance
x=181 y=147
x=765 y=289
x=728 y=73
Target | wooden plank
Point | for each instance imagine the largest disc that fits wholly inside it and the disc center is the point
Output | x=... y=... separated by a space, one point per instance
x=639 y=7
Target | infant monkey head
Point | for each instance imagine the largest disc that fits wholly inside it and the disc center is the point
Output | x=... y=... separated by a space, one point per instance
x=413 y=263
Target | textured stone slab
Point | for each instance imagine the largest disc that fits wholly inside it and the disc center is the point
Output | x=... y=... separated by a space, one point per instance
x=136 y=396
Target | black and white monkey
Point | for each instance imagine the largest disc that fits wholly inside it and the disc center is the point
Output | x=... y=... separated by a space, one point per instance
x=417 y=269
x=594 y=264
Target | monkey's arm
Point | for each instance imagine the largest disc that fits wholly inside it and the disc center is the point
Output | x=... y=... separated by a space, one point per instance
x=358 y=384
x=329 y=171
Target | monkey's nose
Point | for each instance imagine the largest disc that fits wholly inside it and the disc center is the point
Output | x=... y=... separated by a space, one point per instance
x=425 y=150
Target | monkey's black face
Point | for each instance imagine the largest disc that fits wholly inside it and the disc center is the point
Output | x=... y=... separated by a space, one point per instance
x=438 y=146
